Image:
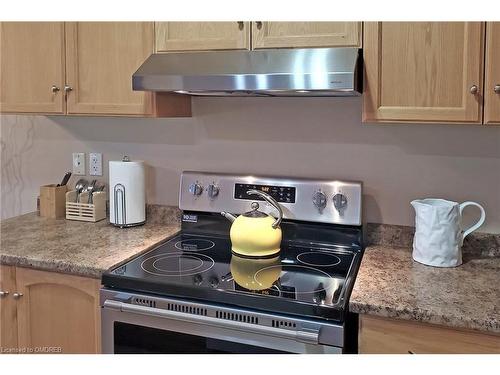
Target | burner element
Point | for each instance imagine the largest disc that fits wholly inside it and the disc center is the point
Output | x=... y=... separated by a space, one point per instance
x=172 y=263
x=194 y=244
x=318 y=259
x=293 y=274
x=177 y=264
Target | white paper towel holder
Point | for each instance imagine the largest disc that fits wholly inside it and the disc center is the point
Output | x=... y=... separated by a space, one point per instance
x=119 y=197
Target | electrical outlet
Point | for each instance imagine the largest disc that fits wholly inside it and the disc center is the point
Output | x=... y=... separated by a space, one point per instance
x=79 y=163
x=95 y=164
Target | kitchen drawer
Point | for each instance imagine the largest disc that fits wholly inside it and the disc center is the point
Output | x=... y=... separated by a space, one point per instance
x=392 y=336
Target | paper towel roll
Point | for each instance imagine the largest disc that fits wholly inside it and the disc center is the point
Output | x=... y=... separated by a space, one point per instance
x=127 y=192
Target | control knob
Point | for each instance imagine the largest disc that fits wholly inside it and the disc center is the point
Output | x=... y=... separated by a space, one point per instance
x=213 y=281
x=195 y=189
x=339 y=201
x=319 y=200
x=212 y=191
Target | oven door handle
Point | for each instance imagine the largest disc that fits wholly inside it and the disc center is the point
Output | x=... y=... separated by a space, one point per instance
x=309 y=336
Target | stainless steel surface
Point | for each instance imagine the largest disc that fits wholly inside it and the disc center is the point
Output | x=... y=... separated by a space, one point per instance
x=119 y=196
x=90 y=190
x=17 y=295
x=497 y=89
x=474 y=89
x=80 y=186
x=303 y=209
x=67 y=89
x=55 y=89
x=4 y=293
x=273 y=331
x=275 y=72
x=272 y=202
x=258 y=24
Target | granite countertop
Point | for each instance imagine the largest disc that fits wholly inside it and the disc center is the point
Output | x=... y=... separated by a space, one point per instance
x=390 y=284
x=74 y=247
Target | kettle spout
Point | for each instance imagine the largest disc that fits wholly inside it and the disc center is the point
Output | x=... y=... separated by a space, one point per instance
x=228 y=216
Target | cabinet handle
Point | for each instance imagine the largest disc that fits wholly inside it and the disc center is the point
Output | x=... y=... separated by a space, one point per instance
x=4 y=293
x=474 y=89
x=241 y=25
x=55 y=89
x=497 y=89
x=67 y=88
x=259 y=25
x=17 y=295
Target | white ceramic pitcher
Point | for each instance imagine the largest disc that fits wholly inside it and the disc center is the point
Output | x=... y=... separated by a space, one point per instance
x=438 y=231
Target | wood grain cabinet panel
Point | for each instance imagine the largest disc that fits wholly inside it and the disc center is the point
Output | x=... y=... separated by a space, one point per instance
x=58 y=310
x=101 y=58
x=8 y=314
x=423 y=71
x=305 y=34
x=201 y=36
x=392 y=336
x=492 y=81
x=31 y=64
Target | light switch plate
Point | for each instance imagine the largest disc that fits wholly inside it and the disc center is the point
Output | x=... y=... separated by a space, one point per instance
x=79 y=163
x=95 y=164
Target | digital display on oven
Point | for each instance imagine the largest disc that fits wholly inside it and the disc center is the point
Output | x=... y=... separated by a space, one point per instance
x=282 y=194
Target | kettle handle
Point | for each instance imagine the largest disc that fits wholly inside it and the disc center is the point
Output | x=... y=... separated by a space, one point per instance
x=479 y=222
x=271 y=201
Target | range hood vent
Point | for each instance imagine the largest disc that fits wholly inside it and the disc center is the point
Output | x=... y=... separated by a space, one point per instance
x=278 y=72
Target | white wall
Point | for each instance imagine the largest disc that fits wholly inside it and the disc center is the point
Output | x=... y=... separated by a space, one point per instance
x=307 y=137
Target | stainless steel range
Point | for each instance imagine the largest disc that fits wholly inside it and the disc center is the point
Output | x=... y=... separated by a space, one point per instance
x=191 y=294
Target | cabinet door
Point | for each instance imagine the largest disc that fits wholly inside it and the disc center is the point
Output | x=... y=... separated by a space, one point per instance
x=391 y=336
x=305 y=34
x=31 y=67
x=8 y=316
x=101 y=58
x=423 y=71
x=58 y=311
x=201 y=36
x=492 y=81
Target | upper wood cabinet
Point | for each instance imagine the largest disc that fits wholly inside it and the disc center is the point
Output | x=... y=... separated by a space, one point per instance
x=305 y=34
x=492 y=81
x=32 y=67
x=197 y=36
x=58 y=310
x=80 y=68
x=101 y=58
x=423 y=71
x=8 y=315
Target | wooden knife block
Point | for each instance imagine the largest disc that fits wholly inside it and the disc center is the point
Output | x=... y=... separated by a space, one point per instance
x=53 y=201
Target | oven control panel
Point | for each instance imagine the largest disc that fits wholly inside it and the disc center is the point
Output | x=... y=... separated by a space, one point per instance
x=282 y=194
x=327 y=201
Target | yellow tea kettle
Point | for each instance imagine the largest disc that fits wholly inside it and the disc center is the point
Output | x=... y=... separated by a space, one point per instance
x=254 y=233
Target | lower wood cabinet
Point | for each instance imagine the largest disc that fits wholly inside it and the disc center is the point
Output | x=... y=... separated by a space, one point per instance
x=392 y=336
x=48 y=311
x=8 y=315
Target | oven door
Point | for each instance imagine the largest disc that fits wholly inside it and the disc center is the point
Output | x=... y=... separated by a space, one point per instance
x=129 y=328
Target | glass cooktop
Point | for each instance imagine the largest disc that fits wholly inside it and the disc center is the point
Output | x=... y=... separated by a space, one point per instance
x=301 y=279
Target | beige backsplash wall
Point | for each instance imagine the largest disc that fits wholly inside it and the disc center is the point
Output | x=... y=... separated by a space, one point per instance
x=307 y=137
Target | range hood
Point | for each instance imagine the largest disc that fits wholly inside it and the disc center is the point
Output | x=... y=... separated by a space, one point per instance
x=278 y=72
